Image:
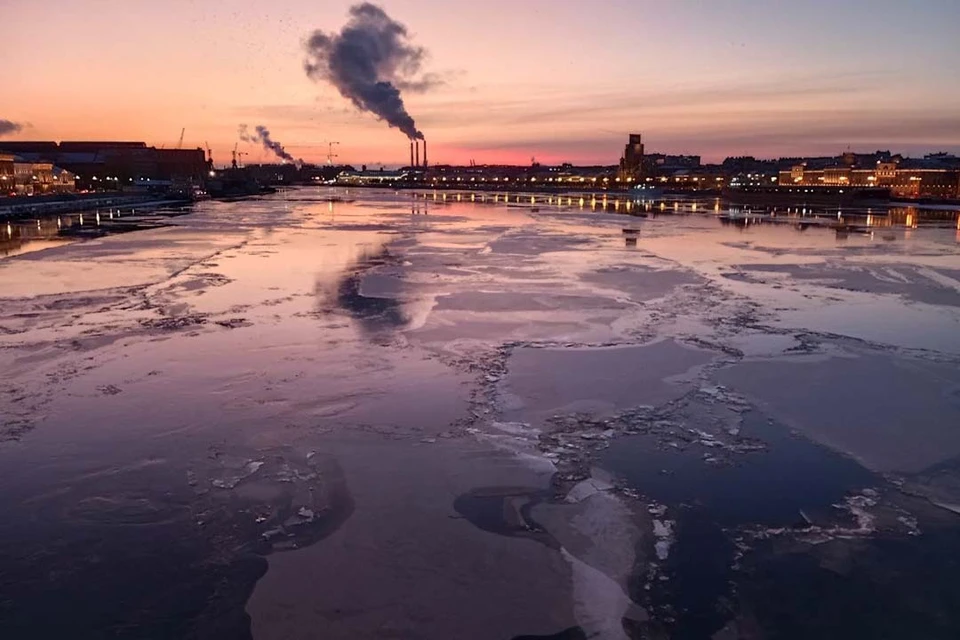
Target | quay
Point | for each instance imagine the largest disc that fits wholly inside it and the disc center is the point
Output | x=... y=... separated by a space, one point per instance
x=40 y=206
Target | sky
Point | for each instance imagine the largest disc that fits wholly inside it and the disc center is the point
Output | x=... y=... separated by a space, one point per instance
x=555 y=80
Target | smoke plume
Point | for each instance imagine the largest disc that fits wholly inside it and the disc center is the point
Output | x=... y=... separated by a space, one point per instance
x=7 y=127
x=369 y=62
x=262 y=136
x=245 y=135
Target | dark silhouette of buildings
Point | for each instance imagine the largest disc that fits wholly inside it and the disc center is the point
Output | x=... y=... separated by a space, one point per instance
x=114 y=164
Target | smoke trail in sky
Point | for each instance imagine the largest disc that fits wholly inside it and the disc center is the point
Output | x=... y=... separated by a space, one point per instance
x=272 y=145
x=245 y=135
x=263 y=137
x=369 y=62
x=7 y=127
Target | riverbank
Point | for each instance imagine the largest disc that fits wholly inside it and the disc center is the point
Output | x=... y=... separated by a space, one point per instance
x=14 y=208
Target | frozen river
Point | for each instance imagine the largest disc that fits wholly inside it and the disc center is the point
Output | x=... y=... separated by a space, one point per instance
x=332 y=414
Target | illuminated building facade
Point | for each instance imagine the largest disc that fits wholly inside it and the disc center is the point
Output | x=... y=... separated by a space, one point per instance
x=6 y=173
x=20 y=177
x=631 y=164
x=904 y=178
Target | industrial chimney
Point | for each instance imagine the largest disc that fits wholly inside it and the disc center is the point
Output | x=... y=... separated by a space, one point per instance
x=411 y=154
x=424 y=153
x=417 y=147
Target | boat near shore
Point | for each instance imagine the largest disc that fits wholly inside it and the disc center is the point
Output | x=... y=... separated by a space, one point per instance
x=236 y=183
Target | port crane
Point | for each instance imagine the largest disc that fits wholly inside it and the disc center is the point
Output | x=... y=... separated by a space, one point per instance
x=237 y=157
x=330 y=154
x=180 y=142
x=209 y=153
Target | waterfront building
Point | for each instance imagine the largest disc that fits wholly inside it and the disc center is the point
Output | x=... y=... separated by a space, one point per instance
x=905 y=178
x=660 y=164
x=63 y=181
x=631 y=164
x=372 y=178
x=24 y=178
x=21 y=177
x=114 y=164
x=6 y=173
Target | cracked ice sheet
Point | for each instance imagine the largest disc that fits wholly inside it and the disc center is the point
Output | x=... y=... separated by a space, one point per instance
x=600 y=540
x=913 y=282
x=110 y=262
x=405 y=566
x=549 y=381
x=891 y=414
x=878 y=313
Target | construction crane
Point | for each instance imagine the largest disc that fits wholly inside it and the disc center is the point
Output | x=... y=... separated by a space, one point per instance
x=330 y=154
x=180 y=142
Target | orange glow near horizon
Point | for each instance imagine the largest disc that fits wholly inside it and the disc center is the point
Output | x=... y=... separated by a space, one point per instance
x=555 y=81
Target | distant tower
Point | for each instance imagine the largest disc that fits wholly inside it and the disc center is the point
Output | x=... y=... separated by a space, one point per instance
x=631 y=164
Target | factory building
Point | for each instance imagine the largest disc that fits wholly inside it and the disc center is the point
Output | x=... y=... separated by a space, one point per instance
x=113 y=165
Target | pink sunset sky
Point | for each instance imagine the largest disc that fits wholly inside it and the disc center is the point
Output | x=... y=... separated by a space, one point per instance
x=560 y=80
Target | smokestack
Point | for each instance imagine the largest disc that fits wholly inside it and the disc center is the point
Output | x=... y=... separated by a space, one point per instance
x=424 y=153
x=411 y=154
x=417 y=143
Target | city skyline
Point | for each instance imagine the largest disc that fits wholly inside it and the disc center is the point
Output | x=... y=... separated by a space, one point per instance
x=511 y=81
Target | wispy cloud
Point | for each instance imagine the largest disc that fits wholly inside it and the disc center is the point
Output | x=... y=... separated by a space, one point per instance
x=773 y=116
x=537 y=105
